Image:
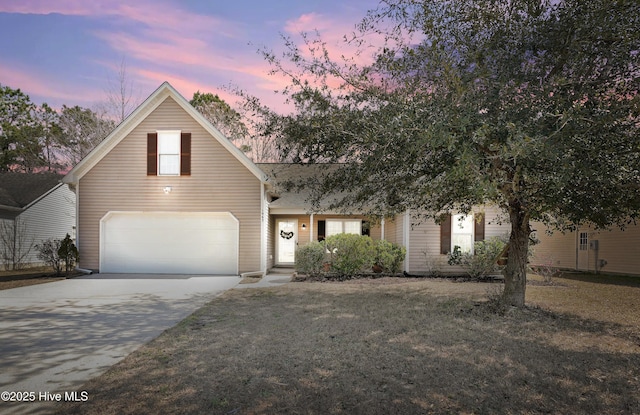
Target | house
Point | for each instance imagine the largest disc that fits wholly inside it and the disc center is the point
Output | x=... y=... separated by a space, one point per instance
x=166 y=192
x=33 y=207
x=427 y=243
x=613 y=251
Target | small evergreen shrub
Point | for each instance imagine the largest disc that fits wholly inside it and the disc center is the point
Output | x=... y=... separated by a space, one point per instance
x=68 y=253
x=310 y=258
x=482 y=262
x=350 y=254
x=389 y=256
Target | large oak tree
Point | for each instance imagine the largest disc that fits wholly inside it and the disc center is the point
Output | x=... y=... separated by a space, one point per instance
x=531 y=105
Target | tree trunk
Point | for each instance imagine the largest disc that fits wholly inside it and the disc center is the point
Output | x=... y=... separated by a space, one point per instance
x=515 y=273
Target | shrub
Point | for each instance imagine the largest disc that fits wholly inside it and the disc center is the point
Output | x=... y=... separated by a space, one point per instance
x=56 y=253
x=482 y=262
x=48 y=252
x=310 y=258
x=389 y=256
x=349 y=253
x=68 y=253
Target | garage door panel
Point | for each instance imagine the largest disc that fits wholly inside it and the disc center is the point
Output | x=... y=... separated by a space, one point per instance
x=197 y=243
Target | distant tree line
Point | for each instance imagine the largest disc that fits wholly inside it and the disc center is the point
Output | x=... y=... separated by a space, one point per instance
x=38 y=138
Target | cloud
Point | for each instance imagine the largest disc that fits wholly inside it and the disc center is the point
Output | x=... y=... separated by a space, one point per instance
x=162 y=40
x=150 y=13
x=42 y=89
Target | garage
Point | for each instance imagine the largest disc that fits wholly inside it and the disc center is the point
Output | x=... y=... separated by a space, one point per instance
x=169 y=243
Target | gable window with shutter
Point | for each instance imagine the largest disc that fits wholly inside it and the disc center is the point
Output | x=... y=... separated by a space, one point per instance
x=461 y=230
x=169 y=153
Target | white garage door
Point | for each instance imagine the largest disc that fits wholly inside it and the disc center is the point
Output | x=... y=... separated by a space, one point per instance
x=169 y=243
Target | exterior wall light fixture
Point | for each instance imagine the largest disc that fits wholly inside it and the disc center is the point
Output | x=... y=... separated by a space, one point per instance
x=167 y=190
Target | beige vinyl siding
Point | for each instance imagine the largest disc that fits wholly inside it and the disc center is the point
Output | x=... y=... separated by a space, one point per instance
x=424 y=242
x=620 y=248
x=399 y=229
x=557 y=249
x=390 y=227
x=424 y=248
x=271 y=251
x=218 y=183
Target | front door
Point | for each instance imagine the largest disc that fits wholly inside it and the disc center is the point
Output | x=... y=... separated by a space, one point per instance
x=583 y=251
x=286 y=241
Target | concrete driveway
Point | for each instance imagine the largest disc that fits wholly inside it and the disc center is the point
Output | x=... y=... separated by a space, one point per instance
x=56 y=336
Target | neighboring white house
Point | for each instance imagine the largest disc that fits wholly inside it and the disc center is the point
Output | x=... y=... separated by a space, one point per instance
x=33 y=207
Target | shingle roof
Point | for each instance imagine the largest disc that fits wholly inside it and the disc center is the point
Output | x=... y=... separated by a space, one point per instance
x=280 y=173
x=17 y=190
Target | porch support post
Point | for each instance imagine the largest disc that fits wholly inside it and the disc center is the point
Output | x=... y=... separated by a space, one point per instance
x=311 y=228
x=382 y=229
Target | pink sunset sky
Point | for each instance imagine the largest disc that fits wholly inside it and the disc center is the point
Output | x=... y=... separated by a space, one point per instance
x=68 y=52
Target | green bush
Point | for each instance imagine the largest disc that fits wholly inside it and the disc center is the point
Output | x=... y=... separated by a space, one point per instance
x=482 y=262
x=310 y=258
x=350 y=254
x=389 y=256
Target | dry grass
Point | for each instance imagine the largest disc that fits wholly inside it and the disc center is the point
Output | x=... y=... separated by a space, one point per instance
x=386 y=347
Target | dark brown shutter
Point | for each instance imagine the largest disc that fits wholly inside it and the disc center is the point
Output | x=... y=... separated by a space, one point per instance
x=185 y=154
x=479 y=227
x=152 y=154
x=321 y=230
x=445 y=235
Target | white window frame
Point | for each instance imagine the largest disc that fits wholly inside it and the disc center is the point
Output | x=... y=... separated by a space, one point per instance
x=463 y=226
x=342 y=223
x=583 y=241
x=170 y=152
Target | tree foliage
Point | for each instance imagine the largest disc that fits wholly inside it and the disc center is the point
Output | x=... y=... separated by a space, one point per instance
x=35 y=138
x=531 y=105
x=81 y=129
x=19 y=131
x=220 y=115
x=236 y=126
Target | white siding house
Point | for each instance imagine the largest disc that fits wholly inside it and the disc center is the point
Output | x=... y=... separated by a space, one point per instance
x=39 y=207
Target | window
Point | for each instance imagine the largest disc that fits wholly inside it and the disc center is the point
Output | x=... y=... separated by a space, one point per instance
x=584 y=241
x=169 y=153
x=336 y=226
x=462 y=232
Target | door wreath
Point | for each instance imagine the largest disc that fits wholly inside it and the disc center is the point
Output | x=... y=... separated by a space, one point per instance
x=286 y=235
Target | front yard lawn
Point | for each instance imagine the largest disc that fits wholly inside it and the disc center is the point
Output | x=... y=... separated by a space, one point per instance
x=387 y=347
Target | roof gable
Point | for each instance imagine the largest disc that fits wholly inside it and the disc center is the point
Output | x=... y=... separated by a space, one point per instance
x=132 y=121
